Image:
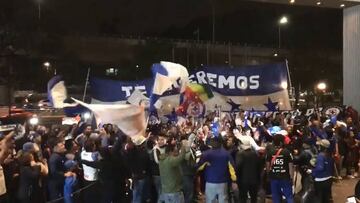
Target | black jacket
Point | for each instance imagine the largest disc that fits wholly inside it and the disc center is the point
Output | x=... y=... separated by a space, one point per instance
x=248 y=167
x=138 y=162
x=29 y=190
x=56 y=169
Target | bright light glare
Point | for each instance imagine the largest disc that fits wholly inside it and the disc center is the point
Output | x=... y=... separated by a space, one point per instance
x=284 y=85
x=283 y=20
x=87 y=115
x=47 y=64
x=292 y=1
x=321 y=86
x=34 y=121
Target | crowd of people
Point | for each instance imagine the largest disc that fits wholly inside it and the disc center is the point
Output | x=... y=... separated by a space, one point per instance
x=223 y=158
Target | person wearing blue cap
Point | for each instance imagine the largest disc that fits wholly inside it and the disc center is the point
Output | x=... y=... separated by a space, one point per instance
x=71 y=181
x=323 y=172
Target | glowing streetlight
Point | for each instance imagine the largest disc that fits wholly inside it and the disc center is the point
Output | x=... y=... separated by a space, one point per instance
x=39 y=2
x=284 y=85
x=321 y=86
x=34 y=121
x=47 y=64
x=283 y=20
x=292 y=1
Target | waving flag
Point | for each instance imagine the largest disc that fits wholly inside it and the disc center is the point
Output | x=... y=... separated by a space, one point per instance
x=56 y=91
x=73 y=109
x=138 y=98
x=261 y=87
x=202 y=91
x=169 y=82
x=129 y=118
x=195 y=96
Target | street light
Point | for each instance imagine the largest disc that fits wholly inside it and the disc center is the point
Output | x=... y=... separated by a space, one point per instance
x=283 y=21
x=319 y=90
x=321 y=86
x=39 y=2
x=34 y=121
x=47 y=64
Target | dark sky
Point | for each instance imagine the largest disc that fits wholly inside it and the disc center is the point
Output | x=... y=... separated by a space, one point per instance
x=236 y=20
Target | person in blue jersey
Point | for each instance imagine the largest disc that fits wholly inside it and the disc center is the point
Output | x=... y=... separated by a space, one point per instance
x=219 y=170
x=71 y=181
x=323 y=172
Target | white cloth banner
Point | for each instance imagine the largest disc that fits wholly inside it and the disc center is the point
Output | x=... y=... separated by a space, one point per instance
x=129 y=118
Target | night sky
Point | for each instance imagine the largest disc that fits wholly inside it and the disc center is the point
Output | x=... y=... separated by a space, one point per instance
x=255 y=24
x=236 y=21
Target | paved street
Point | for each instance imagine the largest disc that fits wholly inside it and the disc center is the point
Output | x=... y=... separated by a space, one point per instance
x=343 y=189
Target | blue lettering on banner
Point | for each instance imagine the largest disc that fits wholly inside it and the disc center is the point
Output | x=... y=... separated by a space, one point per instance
x=111 y=90
x=237 y=81
x=243 y=81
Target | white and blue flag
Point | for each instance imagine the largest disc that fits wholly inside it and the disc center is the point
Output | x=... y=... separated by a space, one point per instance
x=56 y=91
x=170 y=81
x=260 y=88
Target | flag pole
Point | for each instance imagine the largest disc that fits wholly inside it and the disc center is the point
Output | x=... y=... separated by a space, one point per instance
x=86 y=83
x=289 y=81
x=288 y=73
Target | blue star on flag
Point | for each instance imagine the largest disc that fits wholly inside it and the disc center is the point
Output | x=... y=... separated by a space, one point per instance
x=234 y=106
x=271 y=106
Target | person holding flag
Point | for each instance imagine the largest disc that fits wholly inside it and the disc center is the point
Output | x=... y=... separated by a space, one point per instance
x=170 y=172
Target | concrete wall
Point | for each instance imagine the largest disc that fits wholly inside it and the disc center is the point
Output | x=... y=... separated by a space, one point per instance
x=351 y=56
x=4 y=95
